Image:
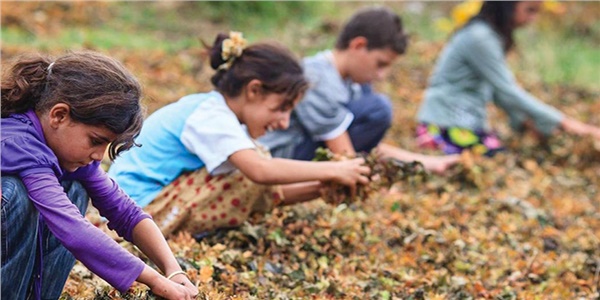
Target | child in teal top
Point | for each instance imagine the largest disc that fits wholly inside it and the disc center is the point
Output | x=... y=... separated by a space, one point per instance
x=472 y=71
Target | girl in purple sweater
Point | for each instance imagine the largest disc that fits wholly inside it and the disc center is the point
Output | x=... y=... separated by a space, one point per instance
x=58 y=118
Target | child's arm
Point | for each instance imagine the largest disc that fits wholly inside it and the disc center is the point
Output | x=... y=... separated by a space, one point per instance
x=98 y=252
x=486 y=56
x=301 y=192
x=281 y=171
x=150 y=240
x=438 y=164
x=121 y=211
x=341 y=144
x=136 y=226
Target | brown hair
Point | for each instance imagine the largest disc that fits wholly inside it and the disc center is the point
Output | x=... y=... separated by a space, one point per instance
x=499 y=15
x=380 y=26
x=271 y=63
x=98 y=89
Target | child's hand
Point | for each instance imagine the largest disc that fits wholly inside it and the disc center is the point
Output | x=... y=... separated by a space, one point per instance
x=579 y=128
x=185 y=281
x=351 y=172
x=174 y=290
x=439 y=164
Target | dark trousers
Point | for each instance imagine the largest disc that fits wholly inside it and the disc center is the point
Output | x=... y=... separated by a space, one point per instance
x=372 y=118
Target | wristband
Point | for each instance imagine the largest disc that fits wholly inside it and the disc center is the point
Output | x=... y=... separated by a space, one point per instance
x=176 y=273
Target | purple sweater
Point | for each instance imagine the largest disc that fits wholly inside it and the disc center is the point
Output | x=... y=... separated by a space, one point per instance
x=24 y=153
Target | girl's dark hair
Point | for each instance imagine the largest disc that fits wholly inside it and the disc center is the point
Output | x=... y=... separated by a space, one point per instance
x=98 y=89
x=500 y=15
x=380 y=26
x=270 y=63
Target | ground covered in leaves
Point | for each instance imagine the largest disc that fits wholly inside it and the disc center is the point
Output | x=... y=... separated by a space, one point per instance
x=524 y=224
x=513 y=227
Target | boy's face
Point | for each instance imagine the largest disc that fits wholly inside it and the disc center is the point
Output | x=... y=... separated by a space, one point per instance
x=371 y=65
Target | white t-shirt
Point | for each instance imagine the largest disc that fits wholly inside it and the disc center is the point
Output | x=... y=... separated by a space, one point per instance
x=197 y=131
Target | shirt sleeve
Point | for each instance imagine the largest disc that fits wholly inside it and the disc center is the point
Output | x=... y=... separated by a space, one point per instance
x=322 y=111
x=88 y=244
x=23 y=155
x=516 y=118
x=122 y=212
x=484 y=53
x=213 y=135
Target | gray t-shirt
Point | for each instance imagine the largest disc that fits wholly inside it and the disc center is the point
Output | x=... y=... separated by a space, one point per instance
x=472 y=71
x=322 y=114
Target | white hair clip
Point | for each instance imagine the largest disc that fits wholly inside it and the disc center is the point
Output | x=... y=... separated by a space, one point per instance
x=49 y=69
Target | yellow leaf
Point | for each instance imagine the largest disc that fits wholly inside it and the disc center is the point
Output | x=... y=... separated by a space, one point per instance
x=206 y=274
x=554 y=7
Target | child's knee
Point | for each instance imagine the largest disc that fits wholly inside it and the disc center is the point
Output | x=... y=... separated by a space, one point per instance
x=373 y=109
x=380 y=110
x=12 y=188
x=19 y=221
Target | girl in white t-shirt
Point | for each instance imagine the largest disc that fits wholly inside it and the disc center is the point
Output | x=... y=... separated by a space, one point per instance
x=199 y=167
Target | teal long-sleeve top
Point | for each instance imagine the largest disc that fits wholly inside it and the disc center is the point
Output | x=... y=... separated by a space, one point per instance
x=472 y=71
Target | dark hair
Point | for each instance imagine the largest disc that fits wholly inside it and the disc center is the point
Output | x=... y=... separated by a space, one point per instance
x=272 y=64
x=98 y=89
x=380 y=26
x=500 y=15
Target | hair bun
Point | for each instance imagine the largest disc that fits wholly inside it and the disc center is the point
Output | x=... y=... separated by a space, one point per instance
x=229 y=49
x=216 y=59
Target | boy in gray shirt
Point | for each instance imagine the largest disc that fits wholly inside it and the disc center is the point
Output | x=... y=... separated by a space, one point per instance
x=340 y=111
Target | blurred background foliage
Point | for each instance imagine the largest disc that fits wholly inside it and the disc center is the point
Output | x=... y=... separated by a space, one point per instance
x=562 y=47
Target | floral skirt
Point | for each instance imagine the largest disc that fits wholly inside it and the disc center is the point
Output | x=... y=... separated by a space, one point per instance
x=198 y=202
x=454 y=140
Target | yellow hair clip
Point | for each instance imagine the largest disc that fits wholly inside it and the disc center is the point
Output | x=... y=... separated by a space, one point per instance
x=232 y=47
x=464 y=11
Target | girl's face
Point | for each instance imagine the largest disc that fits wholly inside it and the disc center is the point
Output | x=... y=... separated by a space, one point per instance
x=526 y=12
x=74 y=144
x=269 y=112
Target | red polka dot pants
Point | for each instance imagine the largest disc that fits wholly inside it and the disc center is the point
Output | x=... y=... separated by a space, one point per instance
x=198 y=202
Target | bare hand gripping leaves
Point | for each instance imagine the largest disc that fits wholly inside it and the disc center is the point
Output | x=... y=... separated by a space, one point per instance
x=385 y=172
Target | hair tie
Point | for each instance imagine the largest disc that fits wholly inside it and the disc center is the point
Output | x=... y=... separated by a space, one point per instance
x=49 y=69
x=231 y=48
